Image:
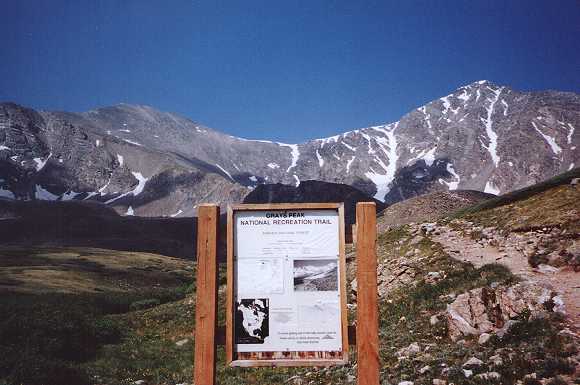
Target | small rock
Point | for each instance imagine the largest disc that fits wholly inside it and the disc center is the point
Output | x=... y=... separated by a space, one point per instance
x=433 y=277
x=488 y=376
x=473 y=361
x=546 y=269
x=424 y=369
x=467 y=373
x=575 y=181
x=496 y=360
x=502 y=332
x=448 y=297
x=406 y=383
x=411 y=350
x=182 y=342
x=139 y=382
x=434 y=320
x=484 y=338
x=437 y=381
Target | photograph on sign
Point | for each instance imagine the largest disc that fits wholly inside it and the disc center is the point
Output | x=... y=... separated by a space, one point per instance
x=316 y=274
x=287 y=283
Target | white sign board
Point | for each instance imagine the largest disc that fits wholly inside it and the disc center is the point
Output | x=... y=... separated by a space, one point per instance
x=287 y=294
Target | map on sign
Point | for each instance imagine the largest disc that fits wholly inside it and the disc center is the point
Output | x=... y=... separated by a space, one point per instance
x=261 y=276
x=252 y=321
x=287 y=270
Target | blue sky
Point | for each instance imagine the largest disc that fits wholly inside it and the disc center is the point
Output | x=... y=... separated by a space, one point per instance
x=281 y=70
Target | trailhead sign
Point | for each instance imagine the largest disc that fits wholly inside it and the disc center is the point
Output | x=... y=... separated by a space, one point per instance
x=288 y=304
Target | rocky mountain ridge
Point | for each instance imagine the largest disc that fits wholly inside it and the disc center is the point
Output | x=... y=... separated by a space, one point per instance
x=142 y=161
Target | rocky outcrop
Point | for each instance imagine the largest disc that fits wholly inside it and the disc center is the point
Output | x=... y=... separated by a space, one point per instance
x=490 y=310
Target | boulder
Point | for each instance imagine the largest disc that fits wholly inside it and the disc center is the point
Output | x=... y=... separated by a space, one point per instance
x=487 y=310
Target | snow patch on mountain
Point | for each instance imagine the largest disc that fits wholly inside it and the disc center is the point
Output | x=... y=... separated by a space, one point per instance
x=388 y=145
x=136 y=191
x=320 y=160
x=132 y=142
x=446 y=104
x=353 y=149
x=550 y=140
x=40 y=163
x=141 y=185
x=6 y=194
x=176 y=214
x=120 y=160
x=69 y=196
x=465 y=96
x=570 y=133
x=43 y=194
x=349 y=162
x=273 y=165
x=295 y=154
x=491 y=188
x=488 y=122
x=427 y=118
x=427 y=155
x=368 y=139
x=452 y=185
x=505 y=110
x=224 y=170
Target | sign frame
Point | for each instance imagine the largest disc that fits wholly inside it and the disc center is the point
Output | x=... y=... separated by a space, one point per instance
x=294 y=358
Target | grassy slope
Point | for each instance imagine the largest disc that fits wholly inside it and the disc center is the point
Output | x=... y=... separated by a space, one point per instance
x=52 y=328
x=520 y=195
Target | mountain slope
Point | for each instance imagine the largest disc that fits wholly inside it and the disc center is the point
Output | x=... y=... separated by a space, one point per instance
x=481 y=137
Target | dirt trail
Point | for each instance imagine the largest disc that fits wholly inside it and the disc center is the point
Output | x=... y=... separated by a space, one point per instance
x=565 y=281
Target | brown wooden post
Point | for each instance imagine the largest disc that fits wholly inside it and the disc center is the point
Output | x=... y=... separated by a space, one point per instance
x=206 y=294
x=367 y=330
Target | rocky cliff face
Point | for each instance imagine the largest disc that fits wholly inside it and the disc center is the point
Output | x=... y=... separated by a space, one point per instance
x=139 y=160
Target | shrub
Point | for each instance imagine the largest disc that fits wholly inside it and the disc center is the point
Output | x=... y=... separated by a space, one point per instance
x=144 y=304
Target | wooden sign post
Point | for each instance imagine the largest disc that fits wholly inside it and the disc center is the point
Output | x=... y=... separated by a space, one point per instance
x=206 y=292
x=367 y=331
x=367 y=340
